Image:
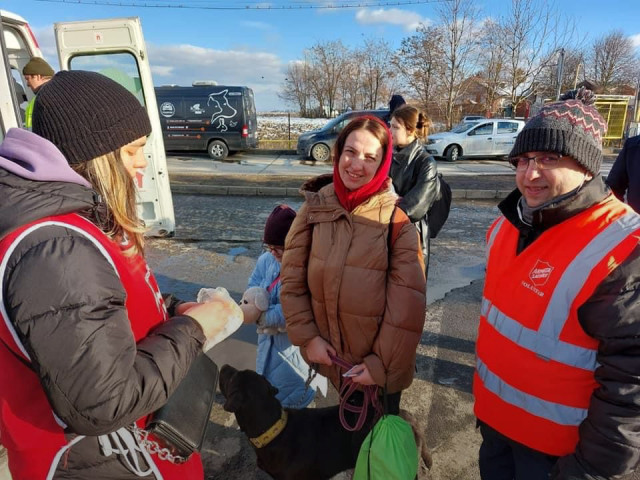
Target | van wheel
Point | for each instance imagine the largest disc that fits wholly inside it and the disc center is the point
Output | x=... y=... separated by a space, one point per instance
x=453 y=152
x=320 y=152
x=218 y=150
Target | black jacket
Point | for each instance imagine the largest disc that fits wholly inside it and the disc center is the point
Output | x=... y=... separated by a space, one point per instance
x=76 y=329
x=624 y=177
x=609 y=444
x=415 y=178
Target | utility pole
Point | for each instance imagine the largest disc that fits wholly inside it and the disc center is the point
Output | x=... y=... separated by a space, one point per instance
x=560 y=68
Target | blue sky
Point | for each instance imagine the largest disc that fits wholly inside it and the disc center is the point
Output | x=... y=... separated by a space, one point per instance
x=253 y=47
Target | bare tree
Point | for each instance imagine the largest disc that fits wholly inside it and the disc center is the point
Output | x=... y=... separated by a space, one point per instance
x=419 y=62
x=613 y=61
x=458 y=18
x=377 y=68
x=328 y=60
x=295 y=90
x=491 y=61
x=530 y=34
x=351 y=84
x=572 y=73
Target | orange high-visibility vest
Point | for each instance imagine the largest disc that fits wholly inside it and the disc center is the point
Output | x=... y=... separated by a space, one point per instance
x=535 y=364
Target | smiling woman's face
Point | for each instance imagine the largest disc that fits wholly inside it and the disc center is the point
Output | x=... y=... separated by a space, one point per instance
x=360 y=159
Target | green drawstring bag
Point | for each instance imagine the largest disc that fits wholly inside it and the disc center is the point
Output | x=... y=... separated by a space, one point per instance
x=389 y=452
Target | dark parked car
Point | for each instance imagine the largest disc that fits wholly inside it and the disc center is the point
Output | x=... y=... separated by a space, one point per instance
x=317 y=144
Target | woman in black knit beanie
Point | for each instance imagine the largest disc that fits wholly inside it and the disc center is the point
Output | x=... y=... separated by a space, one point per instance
x=91 y=347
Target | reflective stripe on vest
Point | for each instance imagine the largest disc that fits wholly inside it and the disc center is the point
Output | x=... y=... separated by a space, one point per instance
x=560 y=414
x=492 y=235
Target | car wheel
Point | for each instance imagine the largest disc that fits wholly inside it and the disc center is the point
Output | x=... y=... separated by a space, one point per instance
x=453 y=152
x=320 y=153
x=218 y=150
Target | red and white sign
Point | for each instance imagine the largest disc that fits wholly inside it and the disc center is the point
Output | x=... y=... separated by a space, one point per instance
x=540 y=273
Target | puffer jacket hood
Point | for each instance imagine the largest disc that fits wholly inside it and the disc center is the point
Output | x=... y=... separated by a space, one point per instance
x=316 y=183
x=36 y=182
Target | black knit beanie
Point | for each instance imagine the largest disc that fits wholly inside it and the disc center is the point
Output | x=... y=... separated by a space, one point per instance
x=570 y=127
x=278 y=225
x=86 y=115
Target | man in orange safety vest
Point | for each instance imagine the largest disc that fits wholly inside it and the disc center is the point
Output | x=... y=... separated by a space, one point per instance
x=557 y=379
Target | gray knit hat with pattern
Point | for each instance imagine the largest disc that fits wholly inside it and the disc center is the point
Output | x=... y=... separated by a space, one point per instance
x=87 y=115
x=570 y=127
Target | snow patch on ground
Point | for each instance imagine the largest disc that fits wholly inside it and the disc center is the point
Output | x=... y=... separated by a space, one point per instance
x=276 y=127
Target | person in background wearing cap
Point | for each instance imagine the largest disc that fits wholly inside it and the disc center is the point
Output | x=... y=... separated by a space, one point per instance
x=557 y=377
x=89 y=345
x=277 y=359
x=624 y=177
x=36 y=73
x=395 y=102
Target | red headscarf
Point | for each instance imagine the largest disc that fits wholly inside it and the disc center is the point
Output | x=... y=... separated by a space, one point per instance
x=350 y=199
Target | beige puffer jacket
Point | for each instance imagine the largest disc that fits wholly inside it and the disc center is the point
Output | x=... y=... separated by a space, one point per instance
x=337 y=283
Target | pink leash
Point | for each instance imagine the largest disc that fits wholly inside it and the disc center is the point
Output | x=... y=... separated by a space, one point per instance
x=347 y=389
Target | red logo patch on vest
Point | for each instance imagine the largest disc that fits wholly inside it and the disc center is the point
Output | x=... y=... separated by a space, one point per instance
x=540 y=273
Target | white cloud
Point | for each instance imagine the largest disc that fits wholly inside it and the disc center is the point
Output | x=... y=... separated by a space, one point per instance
x=406 y=19
x=636 y=40
x=184 y=64
x=47 y=43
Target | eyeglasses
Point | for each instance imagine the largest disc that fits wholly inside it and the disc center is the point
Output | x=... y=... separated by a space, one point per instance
x=272 y=248
x=545 y=161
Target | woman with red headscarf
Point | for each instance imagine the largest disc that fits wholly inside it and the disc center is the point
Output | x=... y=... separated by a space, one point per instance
x=352 y=286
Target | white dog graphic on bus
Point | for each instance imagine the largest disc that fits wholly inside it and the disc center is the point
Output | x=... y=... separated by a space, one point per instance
x=222 y=110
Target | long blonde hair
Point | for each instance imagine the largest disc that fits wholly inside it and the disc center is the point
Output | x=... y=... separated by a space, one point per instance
x=109 y=177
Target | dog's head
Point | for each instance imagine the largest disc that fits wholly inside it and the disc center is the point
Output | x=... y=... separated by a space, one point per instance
x=245 y=389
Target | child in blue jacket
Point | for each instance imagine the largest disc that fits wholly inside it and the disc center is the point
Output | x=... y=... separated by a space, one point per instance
x=277 y=359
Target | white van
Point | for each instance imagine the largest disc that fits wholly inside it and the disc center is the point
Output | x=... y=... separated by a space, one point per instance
x=115 y=48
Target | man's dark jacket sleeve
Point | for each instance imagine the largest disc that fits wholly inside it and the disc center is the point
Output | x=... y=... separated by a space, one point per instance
x=609 y=442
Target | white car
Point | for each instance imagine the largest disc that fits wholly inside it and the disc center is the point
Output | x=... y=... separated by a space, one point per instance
x=480 y=138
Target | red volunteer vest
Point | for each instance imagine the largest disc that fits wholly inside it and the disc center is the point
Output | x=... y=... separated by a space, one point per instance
x=34 y=439
x=535 y=364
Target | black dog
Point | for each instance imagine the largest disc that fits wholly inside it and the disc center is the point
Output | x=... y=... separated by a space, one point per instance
x=313 y=444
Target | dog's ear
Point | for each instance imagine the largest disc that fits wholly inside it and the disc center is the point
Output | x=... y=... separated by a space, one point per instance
x=234 y=401
x=273 y=390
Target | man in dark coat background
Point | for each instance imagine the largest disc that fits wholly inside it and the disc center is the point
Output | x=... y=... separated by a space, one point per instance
x=624 y=177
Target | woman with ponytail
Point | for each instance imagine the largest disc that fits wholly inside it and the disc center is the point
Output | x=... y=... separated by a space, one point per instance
x=413 y=170
x=353 y=285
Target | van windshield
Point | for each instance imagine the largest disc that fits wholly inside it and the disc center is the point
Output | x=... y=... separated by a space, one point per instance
x=463 y=127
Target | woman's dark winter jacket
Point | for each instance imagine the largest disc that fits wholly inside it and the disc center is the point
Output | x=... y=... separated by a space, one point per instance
x=67 y=305
x=415 y=178
x=609 y=443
